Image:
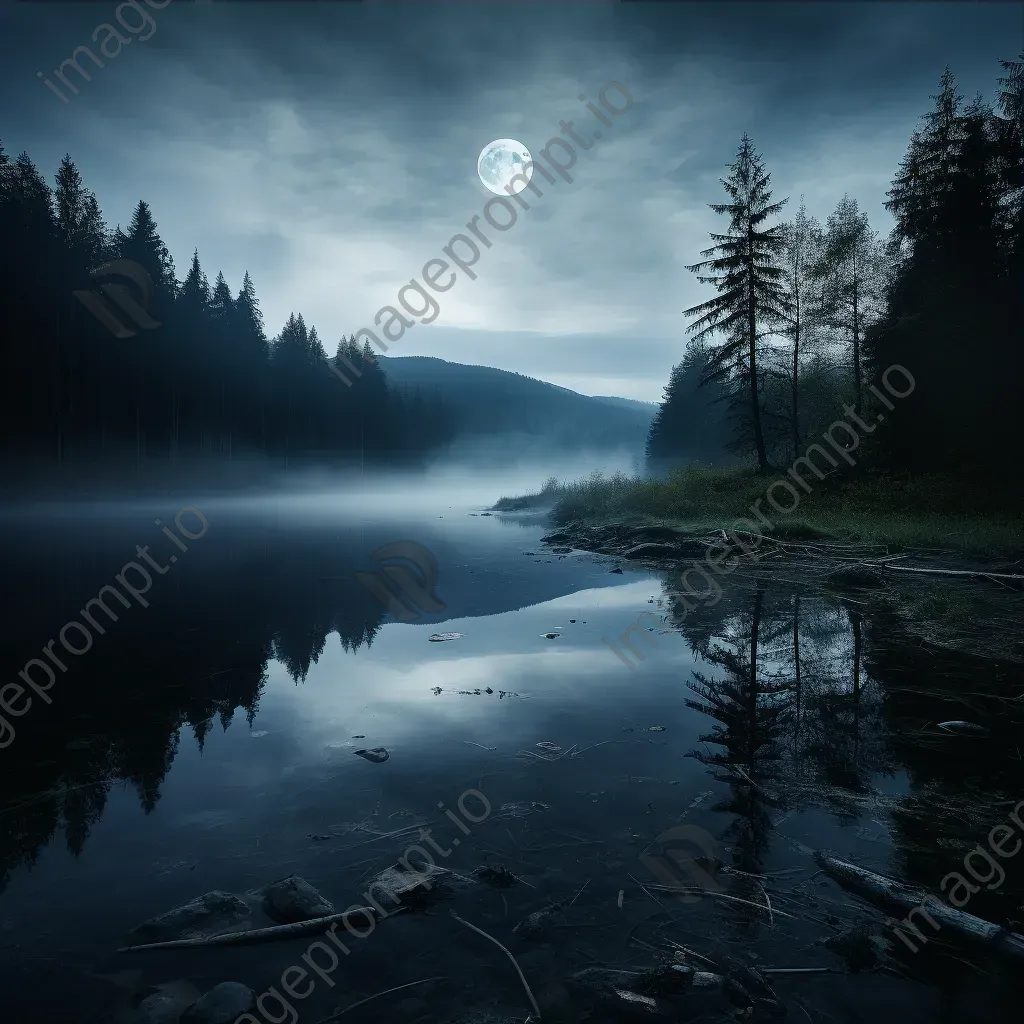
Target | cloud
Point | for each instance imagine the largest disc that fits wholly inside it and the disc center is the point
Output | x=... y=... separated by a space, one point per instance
x=330 y=150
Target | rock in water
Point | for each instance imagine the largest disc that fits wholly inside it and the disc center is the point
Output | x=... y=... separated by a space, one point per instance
x=414 y=886
x=223 y=1004
x=157 y=1009
x=293 y=899
x=375 y=754
x=437 y=638
x=210 y=914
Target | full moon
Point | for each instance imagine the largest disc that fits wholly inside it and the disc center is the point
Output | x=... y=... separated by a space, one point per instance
x=499 y=160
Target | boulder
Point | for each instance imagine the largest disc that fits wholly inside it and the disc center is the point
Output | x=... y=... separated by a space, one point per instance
x=157 y=1009
x=210 y=914
x=293 y=899
x=223 y=1004
x=417 y=886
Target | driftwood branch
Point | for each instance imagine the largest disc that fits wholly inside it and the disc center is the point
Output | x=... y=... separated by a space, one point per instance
x=253 y=936
x=889 y=892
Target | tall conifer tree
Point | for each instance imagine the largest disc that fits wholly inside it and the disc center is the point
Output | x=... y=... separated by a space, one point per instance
x=742 y=265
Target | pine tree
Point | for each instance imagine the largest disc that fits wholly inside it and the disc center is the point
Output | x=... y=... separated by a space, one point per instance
x=690 y=421
x=250 y=320
x=254 y=359
x=194 y=293
x=1011 y=103
x=743 y=269
x=221 y=303
x=143 y=244
x=80 y=226
x=1010 y=131
x=317 y=355
x=949 y=317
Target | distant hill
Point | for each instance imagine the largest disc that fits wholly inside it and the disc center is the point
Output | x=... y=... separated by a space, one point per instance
x=486 y=401
x=650 y=408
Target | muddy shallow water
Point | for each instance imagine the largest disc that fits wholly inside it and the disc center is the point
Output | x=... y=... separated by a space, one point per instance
x=207 y=741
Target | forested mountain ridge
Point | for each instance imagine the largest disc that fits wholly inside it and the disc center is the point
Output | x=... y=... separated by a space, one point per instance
x=482 y=400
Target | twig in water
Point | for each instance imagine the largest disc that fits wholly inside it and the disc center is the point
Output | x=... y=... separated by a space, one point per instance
x=648 y=891
x=480 y=931
x=577 y=896
x=383 y=835
x=719 y=895
x=768 y=902
x=690 y=952
x=386 y=992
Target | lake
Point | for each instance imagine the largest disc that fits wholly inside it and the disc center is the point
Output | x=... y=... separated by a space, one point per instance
x=206 y=740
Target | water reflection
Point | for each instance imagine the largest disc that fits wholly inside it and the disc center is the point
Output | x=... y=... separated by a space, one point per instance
x=256 y=594
x=811 y=719
x=822 y=703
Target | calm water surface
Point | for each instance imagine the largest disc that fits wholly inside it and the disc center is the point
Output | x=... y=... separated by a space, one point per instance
x=207 y=742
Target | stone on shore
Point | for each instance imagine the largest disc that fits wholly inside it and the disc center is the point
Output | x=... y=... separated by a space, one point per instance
x=210 y=914
x=293 y=899
x=419 y=885
x=157 y=1008
x=223 y=1004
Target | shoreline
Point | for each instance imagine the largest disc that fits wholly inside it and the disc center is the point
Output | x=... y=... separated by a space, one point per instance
x=943 y=596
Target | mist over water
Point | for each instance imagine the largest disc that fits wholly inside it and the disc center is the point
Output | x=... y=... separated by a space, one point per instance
x=470 y=477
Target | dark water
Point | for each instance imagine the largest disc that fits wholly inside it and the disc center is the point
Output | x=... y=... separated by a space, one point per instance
x=206 y=741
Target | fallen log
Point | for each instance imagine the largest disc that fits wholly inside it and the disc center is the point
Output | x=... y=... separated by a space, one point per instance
x=889 y=892
x=272 y=934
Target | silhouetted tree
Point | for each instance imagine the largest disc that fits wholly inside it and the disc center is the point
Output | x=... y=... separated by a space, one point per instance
x=742 y=267
x=690 y=422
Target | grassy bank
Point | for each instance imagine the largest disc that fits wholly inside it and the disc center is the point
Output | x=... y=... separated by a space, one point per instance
x=976 y=516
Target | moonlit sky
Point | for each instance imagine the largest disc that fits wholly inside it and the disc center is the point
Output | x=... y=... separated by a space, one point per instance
x=330 y=149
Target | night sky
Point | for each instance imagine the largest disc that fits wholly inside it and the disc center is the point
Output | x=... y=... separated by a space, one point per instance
x=330 y=149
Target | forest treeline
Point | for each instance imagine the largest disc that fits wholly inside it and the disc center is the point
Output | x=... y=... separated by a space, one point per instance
x=207 y=382
x=807 y=316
